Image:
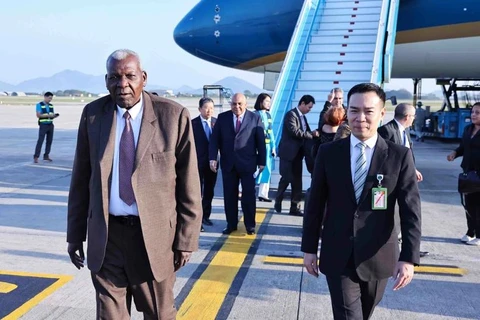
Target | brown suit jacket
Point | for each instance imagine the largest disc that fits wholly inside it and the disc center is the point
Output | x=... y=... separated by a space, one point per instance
x=165 y=182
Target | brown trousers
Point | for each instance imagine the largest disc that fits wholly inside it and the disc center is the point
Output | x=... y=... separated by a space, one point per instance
x=126 y=273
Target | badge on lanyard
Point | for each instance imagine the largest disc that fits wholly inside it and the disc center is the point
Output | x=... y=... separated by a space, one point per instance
x=379 y=195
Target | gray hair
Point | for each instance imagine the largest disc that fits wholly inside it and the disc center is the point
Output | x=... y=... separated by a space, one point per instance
x=337 y=90
x=122 y=54
x=401 y=110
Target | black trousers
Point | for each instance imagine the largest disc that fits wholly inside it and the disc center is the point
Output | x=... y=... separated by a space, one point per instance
x=352 y=298
x=230 y=198
x=208 y=179
x=44 y=130
x=472 y=202
x=291 y=173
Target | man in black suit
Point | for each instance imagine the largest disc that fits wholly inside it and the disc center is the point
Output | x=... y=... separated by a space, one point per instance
x=356 y=182
x=398 y=130
x=202 y=130
x=239 y=135
x=292 y=150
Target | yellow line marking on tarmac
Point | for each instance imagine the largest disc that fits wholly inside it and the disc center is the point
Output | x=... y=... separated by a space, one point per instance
x=209 y=291
x=447 y=270
x=6 y=287
x=62 y=279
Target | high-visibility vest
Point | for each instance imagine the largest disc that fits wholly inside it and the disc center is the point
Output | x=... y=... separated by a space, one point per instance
x=44 y=111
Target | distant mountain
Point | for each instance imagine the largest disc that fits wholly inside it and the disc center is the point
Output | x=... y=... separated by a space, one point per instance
x=64 y=80
x=6 y=86
x=184 y=89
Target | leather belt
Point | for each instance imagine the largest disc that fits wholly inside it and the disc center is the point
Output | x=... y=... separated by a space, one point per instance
x=129 y=220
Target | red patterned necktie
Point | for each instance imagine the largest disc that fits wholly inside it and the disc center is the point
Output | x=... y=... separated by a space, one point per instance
x=238 y=124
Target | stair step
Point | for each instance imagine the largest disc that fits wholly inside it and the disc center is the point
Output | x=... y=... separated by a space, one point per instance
x=307 y=87
x=335 y=66
x=345 y=26
x=345 y=32
x=350 y=11
x=344 y=39
x=336 y=48
x=351 y=18
x=336 y=57
x=352 y=4
x=312 y=76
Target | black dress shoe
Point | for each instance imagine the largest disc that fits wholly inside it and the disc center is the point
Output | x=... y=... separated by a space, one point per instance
x=250 y=231
x=424 y=253
x=296 y=212
x=264 y=199
x=228 y=230
x=278 y=206
x=207 y=222
x=202 y=229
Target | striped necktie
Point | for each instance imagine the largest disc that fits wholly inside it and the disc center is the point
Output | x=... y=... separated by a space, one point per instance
x=360 y=170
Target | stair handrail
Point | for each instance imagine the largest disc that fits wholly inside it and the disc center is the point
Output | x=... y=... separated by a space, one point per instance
x=377 y=66
x=391 y=35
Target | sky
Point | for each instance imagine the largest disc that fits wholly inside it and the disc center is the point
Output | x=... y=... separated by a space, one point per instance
x=41 y=38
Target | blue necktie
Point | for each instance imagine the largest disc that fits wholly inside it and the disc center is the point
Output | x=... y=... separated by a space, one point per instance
x=207 y=129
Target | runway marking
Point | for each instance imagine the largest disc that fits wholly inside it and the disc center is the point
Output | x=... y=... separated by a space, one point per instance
x=27 y=290
x=423 y=269
x=209 y=292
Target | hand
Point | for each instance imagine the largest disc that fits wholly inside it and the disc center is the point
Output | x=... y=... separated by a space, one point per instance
x=76 y=259
x=260 y=168
x=403 y=274
x=213 y=165
x=419 y=176
x=330 y=97
x=180 y=259
x=452 y=156
x=274 y=154
x=315 y=134
x=311 y=264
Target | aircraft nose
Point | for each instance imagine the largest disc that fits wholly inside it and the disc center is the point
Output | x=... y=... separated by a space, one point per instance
x=183 y=34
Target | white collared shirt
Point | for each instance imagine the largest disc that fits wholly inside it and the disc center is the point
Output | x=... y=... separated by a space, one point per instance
x=302 y=120
x=235 y=119
x=116 y=205
x=401 y=128
x=355 y=152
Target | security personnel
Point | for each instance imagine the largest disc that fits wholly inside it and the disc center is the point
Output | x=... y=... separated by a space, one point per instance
x=45 y=115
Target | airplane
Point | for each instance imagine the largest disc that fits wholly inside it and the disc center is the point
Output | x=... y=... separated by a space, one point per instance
x=435 y=38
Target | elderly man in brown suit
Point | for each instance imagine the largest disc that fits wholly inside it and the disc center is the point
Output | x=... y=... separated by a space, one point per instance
x=135 y=190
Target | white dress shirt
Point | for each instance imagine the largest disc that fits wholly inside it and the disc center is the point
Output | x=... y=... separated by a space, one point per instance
x=302 y=120
x=117 y=206
x=355 y=152
x=401 y=128
x=235 y=119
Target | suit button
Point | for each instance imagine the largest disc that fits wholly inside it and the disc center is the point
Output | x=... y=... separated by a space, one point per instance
x=351 y=238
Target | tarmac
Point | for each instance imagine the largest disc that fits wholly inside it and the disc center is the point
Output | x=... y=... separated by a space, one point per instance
x=229 y=277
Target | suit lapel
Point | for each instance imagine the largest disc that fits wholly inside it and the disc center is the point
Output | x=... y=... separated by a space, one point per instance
x=108 y=127
x=376 y=165
x=147 y=130
x=344 y=162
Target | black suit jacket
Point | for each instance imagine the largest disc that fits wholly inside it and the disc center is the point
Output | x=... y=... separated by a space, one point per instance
x=243 y=151
x=469 y=149
x=201 y=141
x=391 y=132
x=293 y=137
x=357 y=229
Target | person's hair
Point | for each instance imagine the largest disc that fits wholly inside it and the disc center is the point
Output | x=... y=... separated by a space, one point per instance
x=48 y=94
x=334 y=116
x=476 y=104
x=204 y=100
x=401 y=110
x=122 y=54
x=259 y=103
x=154 y=93
x=367 y=87
x=335 y=90
x=306 y=99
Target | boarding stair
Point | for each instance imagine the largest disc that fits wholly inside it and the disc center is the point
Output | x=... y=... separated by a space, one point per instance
x=336 y=43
